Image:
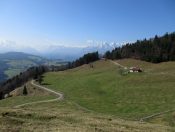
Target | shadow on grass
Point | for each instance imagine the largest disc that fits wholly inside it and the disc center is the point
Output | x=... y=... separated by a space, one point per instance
x=46 y=84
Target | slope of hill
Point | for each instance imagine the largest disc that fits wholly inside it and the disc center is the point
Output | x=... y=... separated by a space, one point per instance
x=104 y=89
x=96 y=99
x=13 y=63
x=64 y=115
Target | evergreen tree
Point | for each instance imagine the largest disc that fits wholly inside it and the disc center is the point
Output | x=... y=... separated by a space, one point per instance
x=25 y=90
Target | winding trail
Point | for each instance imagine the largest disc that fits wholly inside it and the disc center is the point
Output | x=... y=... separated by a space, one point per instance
x=59 y=95
x=116 y=63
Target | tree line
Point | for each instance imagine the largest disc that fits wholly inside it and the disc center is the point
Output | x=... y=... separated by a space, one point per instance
x=20 y=79
x=157 y=49
x=85 y=59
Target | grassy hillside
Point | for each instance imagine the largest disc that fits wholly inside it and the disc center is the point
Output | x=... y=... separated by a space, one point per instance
x=62 y=116
x=104 y=89
x=65 y=116
x=95 y=99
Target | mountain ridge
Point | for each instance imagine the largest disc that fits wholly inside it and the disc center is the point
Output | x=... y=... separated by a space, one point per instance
x=63 y=52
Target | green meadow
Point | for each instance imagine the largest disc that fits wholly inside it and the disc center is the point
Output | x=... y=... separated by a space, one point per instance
x=104 y=89
x=101 y=98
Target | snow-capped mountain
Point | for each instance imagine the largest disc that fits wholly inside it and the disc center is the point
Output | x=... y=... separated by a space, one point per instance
x=101 y=48
x=73 y=52
x=57 y=51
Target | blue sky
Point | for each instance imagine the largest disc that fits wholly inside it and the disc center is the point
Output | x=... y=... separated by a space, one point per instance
x=77 y=22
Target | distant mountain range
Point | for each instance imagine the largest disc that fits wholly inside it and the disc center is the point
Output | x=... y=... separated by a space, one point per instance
x=67 y=53
x=71 y=53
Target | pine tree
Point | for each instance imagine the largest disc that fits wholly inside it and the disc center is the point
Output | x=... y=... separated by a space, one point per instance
x=25 y=90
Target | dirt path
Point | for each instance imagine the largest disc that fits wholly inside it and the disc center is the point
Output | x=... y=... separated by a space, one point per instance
x=155 y=115
x=59 y=96
x=116 y=63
